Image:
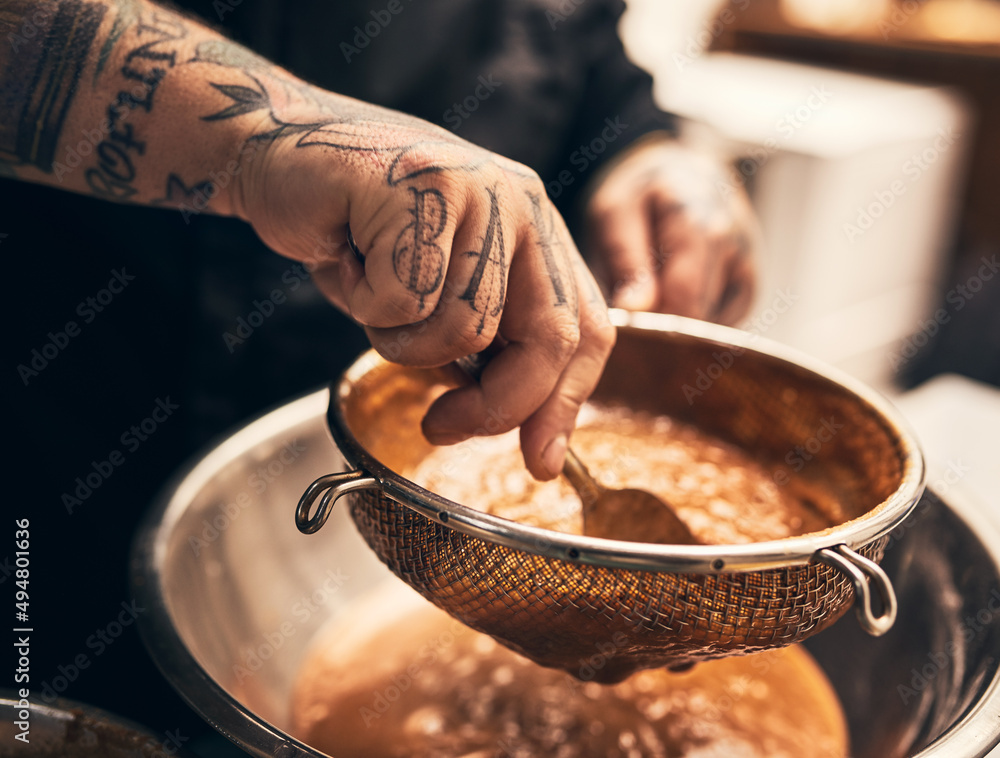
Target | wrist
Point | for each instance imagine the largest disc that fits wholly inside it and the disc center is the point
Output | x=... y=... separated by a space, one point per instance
x=245 y=169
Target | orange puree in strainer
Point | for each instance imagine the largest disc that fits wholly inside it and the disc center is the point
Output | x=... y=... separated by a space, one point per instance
x=715 y=488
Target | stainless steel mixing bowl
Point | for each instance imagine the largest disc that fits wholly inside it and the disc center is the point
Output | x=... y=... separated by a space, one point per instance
x=235 y=595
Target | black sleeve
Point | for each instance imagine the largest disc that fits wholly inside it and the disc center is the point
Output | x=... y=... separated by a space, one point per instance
x=616 y=106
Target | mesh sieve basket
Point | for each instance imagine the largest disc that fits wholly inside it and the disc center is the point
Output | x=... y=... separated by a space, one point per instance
x=601 y=609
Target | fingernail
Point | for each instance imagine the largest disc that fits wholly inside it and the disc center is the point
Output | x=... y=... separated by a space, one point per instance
x=554 y=455
x=445 y=438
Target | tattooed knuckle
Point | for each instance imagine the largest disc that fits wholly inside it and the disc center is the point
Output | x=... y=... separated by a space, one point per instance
x=486 y=291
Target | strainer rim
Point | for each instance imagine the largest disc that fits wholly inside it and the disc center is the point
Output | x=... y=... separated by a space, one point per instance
x=725 y=558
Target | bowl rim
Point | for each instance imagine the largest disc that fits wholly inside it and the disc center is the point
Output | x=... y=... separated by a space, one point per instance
x=974 y=734
x=178 y=665
x=710 y=559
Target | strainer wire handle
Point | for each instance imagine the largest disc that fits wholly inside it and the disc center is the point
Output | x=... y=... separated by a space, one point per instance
x=860 y=570
x=328 y=489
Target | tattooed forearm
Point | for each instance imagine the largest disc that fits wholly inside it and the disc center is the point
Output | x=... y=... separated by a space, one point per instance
x=336 y=122
x=224 y=53
x=245 y=100
x=417 y=258
x=93 y=99
x=195 y=197
x=38 y=82
x=126 y=15
x=151 y=56
x=488 y=285
x=130 y=101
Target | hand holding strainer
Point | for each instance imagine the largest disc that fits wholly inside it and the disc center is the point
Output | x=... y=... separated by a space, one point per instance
x=563 y=599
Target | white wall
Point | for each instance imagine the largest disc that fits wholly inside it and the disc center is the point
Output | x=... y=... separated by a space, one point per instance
x=823 y=151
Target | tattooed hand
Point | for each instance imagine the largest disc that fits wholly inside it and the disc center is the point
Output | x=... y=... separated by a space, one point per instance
x=459 y=245
x=667 y=231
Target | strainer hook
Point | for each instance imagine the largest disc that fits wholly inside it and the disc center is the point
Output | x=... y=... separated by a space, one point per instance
x=329 y=488
x=860 y=570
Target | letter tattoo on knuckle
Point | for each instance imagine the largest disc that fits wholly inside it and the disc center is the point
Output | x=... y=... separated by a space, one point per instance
x=555 y=255
x=417 y=258
x=487 y=288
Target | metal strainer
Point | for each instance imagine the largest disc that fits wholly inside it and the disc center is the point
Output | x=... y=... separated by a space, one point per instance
x=602 y=609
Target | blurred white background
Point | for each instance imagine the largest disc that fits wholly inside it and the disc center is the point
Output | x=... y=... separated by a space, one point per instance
x=856 y=181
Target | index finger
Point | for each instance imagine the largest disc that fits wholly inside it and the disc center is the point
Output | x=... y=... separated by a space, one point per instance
x=557 y=347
